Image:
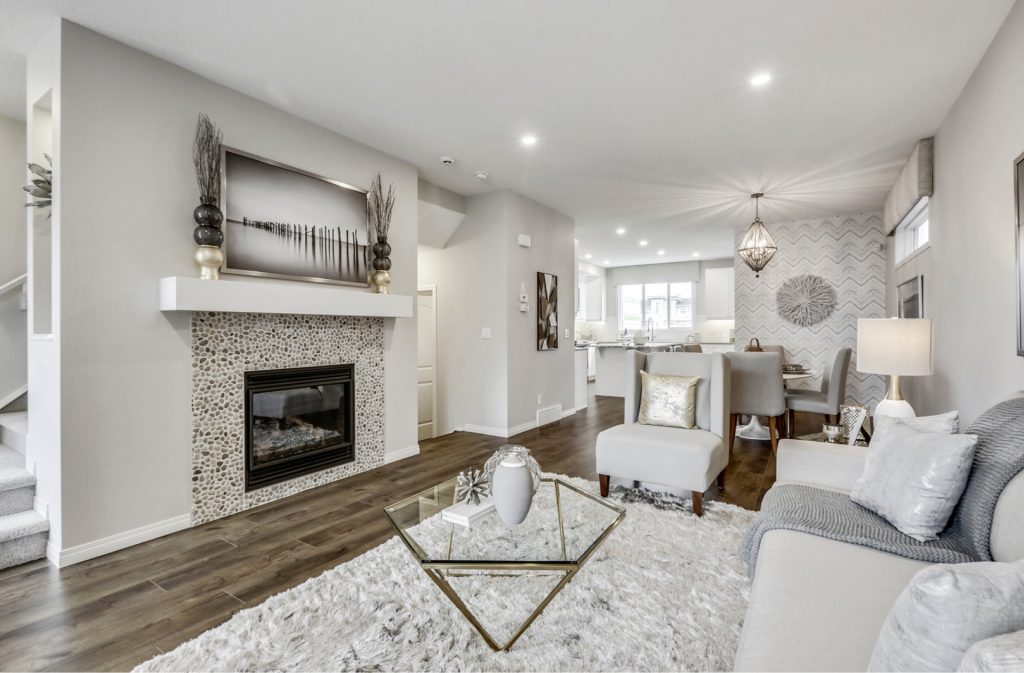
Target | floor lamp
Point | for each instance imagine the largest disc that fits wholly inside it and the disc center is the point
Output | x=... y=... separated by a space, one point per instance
x=895 y=347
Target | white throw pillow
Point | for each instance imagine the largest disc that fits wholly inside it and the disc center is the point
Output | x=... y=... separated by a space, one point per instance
x=914 y=479
x=945 y=610
x=668 y=400
x=947 y=423
x=999 y=654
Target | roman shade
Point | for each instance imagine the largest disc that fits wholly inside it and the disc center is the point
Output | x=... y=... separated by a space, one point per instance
x=916 y=181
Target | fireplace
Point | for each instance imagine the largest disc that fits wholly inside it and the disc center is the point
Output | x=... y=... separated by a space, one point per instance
x=298 y=421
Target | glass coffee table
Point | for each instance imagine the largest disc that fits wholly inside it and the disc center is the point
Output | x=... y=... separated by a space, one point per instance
x=490 y=571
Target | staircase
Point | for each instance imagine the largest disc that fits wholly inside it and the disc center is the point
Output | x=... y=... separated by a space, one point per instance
x=23 y=531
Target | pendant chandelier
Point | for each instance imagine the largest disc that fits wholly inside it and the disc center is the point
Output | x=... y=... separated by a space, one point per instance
x=757 y=247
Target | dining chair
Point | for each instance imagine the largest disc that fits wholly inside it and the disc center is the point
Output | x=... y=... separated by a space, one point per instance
x=757 y=391
x=692 y=348
x=828 y=399
x=781 y=350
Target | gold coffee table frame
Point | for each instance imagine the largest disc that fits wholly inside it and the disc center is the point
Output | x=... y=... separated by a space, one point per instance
x=440 y=570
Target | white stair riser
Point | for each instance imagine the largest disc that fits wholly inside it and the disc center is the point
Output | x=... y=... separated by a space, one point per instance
x=16 y=500
x=22 y=550
x=13 y=439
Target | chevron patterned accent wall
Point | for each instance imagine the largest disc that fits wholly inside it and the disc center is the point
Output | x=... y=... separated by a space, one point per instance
x=848 y=252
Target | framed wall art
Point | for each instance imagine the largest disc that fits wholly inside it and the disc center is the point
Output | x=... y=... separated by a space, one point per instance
x=547 y=311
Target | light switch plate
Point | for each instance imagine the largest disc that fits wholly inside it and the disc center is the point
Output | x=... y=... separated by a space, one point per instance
x=566 y=332
x=485 y=333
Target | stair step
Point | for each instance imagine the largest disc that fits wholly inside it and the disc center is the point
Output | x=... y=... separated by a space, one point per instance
x=22 y=538
x=13 y=429
x=13 y=474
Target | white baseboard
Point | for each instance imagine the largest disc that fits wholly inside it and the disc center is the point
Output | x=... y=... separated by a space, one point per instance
x=399 y=454
x=10 y=397
x=485 y=430
x=572 y=412
x=84 y=552
x=522 y=427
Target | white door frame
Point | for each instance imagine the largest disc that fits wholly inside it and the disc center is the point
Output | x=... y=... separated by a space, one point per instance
x=432 y=289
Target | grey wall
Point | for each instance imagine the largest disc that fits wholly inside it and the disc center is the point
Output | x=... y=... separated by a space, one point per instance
x=491 y=385
x=128 y=192
x=848 y=252
x=968 y=270
x=469 y=275
x=13 y=256
x=532 y=372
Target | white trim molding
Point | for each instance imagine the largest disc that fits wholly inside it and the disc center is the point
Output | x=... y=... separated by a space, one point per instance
x=401 y=454
x=84 y=552
x=485 y=430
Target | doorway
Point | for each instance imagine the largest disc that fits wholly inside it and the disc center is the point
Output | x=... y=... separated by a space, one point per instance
x=426 y=362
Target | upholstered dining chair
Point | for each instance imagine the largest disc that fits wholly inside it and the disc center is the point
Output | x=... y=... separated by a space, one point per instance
x=690 y=459
x=757 y=390
x=827 y=400
x=692 y=348
x=781 y=350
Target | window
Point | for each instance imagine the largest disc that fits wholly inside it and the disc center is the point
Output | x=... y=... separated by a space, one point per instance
x=666 y=305
x=912 y=233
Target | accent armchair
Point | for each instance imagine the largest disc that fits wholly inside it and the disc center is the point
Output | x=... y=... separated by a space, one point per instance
x=683 y=458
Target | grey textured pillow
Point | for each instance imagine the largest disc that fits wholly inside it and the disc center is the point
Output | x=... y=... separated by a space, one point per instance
x=945 y=610
x=999 y=654
x=914 y=479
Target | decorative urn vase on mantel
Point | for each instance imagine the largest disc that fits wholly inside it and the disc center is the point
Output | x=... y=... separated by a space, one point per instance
x=207 y=234
x=378 y=214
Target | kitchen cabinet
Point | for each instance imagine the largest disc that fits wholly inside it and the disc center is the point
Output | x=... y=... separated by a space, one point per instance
x=719 y=293
x=590 y=298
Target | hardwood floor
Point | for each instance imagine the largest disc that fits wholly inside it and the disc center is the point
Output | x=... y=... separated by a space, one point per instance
x=116 y=611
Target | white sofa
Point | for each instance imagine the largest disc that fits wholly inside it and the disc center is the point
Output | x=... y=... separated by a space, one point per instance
x=818 y=604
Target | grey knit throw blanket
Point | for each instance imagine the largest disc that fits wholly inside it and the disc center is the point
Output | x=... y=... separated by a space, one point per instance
x=999 y=457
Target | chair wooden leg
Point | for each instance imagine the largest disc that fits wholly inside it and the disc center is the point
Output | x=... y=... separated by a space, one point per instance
x=773 y=432
x=603 y=478
x=721 y=480
x=791 y=423
x=698 y=503
x=732 y=430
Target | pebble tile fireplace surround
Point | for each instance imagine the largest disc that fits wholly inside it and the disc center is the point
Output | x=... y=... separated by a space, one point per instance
x=225 y=346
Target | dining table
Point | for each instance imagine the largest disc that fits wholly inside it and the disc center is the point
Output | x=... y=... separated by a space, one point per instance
x=754 y=429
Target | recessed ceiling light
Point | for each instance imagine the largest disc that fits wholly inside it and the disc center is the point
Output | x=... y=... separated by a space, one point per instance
x=587 y=256
x=620 y=231
x=607 y=262
x=760 y=79
x=661 y=252
x=528 y=140
x=696 y=254
x=643 y=244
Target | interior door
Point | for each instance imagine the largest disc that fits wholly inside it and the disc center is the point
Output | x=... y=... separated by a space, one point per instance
x=426 y=363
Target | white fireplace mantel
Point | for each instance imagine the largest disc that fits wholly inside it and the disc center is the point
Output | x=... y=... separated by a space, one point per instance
x=181 y=293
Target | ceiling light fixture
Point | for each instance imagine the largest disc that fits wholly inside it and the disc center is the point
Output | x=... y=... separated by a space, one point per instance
x=607 y=262
x=760 y=79
x=643 y=244
x=696 y=254
x=620 y=231
x=528 y=141
x=587 y=256
x=661 y=252
x=757 y=247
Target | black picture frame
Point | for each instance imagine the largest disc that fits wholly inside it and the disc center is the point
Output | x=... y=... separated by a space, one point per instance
x=283 y=222
x=547 y=311
x=1018 y=194
x=910 y=298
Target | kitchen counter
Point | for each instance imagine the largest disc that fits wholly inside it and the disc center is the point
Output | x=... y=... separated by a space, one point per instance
x=611 y=361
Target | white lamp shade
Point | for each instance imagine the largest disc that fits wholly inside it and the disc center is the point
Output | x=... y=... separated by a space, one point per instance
x=900 y=346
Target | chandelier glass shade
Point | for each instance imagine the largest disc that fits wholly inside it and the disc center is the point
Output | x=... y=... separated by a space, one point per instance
x=757 y=247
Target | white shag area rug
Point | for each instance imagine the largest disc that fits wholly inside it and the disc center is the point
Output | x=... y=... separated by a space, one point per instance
x=666 y=592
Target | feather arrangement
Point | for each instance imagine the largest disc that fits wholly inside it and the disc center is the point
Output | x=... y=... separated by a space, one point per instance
x=206 y=159
x=41 y=188
x=472 y=486
x=378 y=208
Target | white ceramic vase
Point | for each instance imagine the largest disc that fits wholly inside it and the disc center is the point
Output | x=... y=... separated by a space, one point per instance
x=512 y=490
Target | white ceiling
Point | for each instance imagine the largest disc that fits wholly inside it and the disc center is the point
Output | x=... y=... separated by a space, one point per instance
x=643 y=110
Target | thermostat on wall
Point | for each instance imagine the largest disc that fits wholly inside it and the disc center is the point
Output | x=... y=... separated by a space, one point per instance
x=524 y=240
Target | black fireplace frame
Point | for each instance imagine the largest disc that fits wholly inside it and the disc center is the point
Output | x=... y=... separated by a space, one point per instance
x=312 y=461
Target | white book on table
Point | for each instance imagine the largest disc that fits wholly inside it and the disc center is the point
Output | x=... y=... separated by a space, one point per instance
x=465 y=513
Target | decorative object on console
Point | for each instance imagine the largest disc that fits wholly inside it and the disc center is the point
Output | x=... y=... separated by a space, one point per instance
x=283 y=222
x=910 y=298
x=897 y=347
x=757 y=247
x=855 y=421
x=472 y=486
x=378 y=210
x=41 y=188
x=547 y=311
x=805 y=300
x=206 y=158
x=832 y=432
